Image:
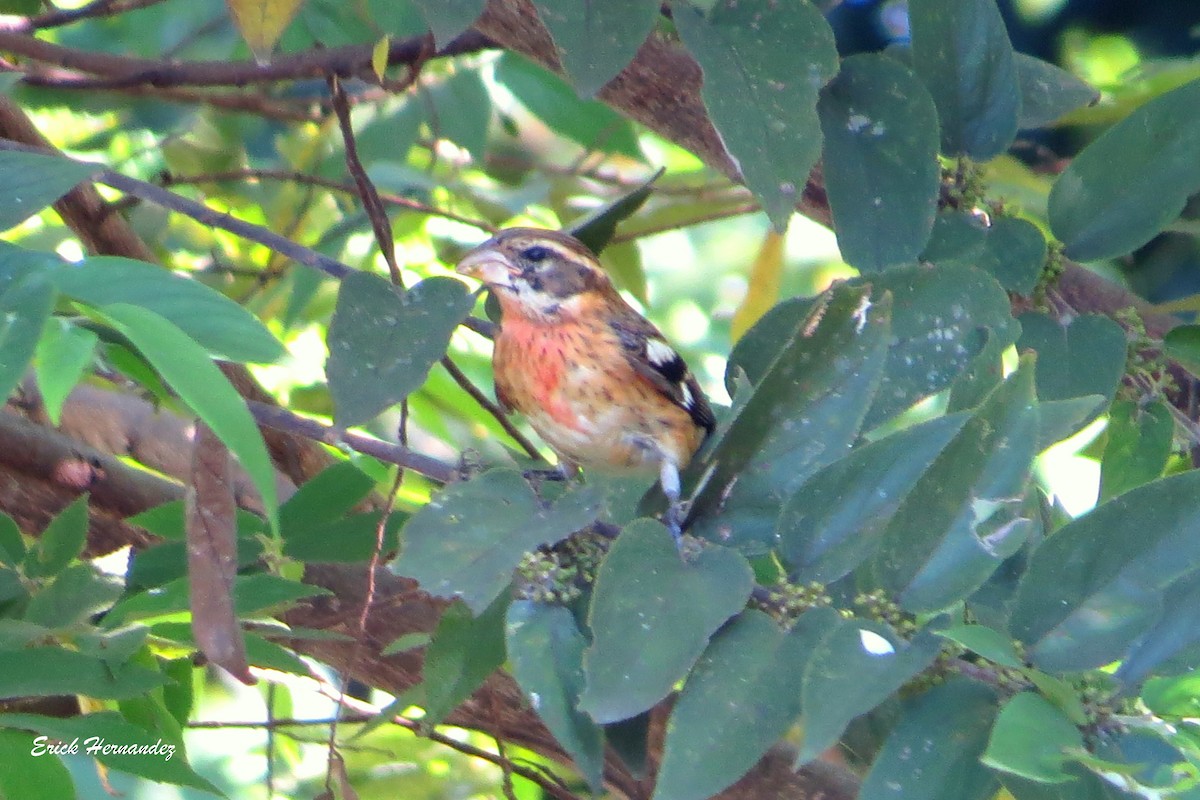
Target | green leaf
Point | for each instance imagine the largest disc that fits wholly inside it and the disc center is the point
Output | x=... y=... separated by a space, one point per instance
x=881 y=169
x=545 y=649
x=220 y=325
x=33 y=181
x=63 y=353
x=406 y=642
x=964 y=517
x=962 y=52
x=76 y=593
x=1093 y=588
x=1014 y=253
x=448 y=18
x=596 y=40
x=805 y=411
x=742 y=696
x=24 y=311
x=48 y=671
x=1048 y=92
x=469 y=538
x=1174 y=632
x=326 y=497
x=110 y=728
x=1133 y=180
x=465 y=650
x=933 y=752
x=1032 y=739
x=462 y=111
x=61 y=542
x=835 y=520
x=191 y=373
x=651 y=617
x=1182 y=344
x=590 y=123
x=597 y=228
x=1139 y=444
x=851 y=671
x=12 y=546
x=251 y=594
x=764 y=63
x=383 y=341
x=984 y=641
x=29 y=776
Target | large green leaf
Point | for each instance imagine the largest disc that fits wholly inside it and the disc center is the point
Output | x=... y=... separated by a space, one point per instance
x=834 y=521
x=24 y=311
x=76 y=593
x=252 y=594
x=30 y=771
x=383 y=341
x=933 y=753
x=805 y=412
x=161 y=759
x=1128 y=184
x=742 y=696
x=1049 y=91
x=596 y=40
x=33 y=181
x=1082 y=357
x=1174 y=633
x=1097 y=584
x=61 y=542
x=545 y=648
x=465 y=650
x=1031 y=739
x=48 y=671
x=64 y=352
x=449 y=18
x=964 y=516
x=881 y=169
x=1139 y=444
x=854 y=669
x=651 y=616
x=588 y=122
x=462 y=111
x=962 y=52
x=764 y=63
x=220 y=325
x=467 y=541
x=191 y=373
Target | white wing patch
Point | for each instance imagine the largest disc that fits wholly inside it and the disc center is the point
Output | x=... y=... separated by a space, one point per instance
x=659 y=352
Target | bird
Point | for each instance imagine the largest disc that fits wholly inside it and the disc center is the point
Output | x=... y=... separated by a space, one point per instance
x=596 y=380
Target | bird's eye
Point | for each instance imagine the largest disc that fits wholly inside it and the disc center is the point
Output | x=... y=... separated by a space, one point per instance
x=535 y=253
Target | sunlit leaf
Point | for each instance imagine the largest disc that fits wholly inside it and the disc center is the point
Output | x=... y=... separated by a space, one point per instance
x=33 y=181
x=262 y=22
x=762 y=290
x=1032 y=739
x=64 y=352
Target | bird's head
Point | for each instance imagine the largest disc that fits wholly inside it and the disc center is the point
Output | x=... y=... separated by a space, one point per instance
x=540 y=274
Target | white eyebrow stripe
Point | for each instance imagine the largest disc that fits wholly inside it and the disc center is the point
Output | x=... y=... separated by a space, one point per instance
x=687 y=395
x=659 y=352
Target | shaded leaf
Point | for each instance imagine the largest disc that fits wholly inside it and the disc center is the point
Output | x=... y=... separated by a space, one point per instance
x=212 y=319
x=851 y=671
x=63 y=353
x=449 y=18
x=465 y=650
x=964 y=516
x=881 y=169
x=1133 y=180
x=76 y=593
x=1014 y=253
x=12 y=546
x=1085 y=356
x=1092 y=588
x=383 y=341
x=596 y=40
x=191 y=373
x=590 y=123
x=961 y=50
x=496 y=519
x=1174 y=632
x=48 y=671
x=1049 y=91
x=33 y=181
x=462 y=111
x=545 y=648
x=24 y=311
x=933 y=753
x=764 y=63
x=254 y=593
x=742 y=696
x=351 y=538
x=1031 y=739
x=211 y=514
x=61 y=542
x=1182 y=344
x=1139 y=443
x=651 y=617
x=31 y=772
x=835 y=520
x=805 y=411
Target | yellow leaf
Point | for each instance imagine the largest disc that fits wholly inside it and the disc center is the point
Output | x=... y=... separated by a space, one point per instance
x=262 y=22
x=766 y=275
x=379 y=56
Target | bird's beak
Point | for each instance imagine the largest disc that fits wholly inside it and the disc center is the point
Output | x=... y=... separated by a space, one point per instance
x=487 y=264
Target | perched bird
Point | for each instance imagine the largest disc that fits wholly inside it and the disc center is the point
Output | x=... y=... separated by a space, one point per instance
x=595 y=379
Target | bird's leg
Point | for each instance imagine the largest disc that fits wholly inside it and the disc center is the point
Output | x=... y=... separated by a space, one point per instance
x=668 y=478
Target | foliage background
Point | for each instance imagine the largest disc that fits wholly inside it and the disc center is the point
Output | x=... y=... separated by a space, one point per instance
x=476 y=137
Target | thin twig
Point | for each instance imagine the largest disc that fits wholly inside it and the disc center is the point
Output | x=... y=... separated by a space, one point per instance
x=487 y=405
